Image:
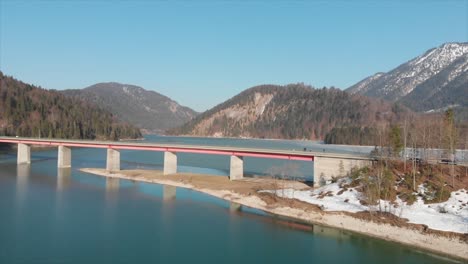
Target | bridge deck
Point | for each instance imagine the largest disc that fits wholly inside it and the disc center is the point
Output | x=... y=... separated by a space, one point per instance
x=177 y=148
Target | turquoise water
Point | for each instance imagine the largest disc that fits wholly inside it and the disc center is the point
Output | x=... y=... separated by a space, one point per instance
x=65 y=216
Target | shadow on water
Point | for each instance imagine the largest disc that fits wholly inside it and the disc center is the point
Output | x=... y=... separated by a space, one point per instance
x=5 y=147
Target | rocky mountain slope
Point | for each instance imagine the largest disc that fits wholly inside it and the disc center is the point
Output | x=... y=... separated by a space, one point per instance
x=293 y=111
x=433 y=81
x=146 y=109
x=30 y=111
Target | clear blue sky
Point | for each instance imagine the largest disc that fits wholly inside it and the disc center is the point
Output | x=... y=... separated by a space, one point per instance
x=203 y=53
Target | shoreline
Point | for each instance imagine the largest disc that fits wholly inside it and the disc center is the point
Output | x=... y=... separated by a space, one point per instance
x=449 y=244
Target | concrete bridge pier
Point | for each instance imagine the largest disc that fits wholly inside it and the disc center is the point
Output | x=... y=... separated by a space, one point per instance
x=236 y=171
x=113 y=160
x=170 y=163
x=325 y=169
x=64 y=157
x=24 y=154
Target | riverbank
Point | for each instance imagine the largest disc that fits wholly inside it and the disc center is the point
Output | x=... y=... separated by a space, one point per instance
x=246 y=192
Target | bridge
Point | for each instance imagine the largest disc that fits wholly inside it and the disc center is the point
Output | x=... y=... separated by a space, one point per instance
x=326 y=165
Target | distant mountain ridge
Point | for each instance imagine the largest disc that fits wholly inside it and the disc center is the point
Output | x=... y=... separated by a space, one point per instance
x=435 y=80
x=294 y=111
x=143 y=108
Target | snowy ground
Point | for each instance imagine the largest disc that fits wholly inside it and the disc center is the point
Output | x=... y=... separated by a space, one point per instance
x=451 y=215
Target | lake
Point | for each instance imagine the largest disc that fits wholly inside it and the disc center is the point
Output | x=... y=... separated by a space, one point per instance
x=50 y=215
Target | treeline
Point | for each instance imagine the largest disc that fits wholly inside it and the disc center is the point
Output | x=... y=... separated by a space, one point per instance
x=295 y=111
x=418 y=152
x=30 y=111
x=424 y=131
x=435 y=131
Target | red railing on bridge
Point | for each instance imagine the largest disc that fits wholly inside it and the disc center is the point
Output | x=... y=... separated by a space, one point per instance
x=176 y=149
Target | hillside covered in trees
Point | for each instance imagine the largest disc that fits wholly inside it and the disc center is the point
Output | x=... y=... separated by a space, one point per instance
x=30 y=111
x=294 y=111
x=146 y=109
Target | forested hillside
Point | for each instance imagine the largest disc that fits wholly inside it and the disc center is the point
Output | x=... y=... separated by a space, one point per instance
x=293 y=111
x=146 y=109
x=30 y=111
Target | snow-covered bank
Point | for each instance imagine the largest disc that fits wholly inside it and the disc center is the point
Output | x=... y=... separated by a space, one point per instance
x=451 y=215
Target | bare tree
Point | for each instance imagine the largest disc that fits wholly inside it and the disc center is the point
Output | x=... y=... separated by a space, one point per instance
x=424 y=142
x=465 y=160
x=451 y=140
x=405 y=135
x=413 y=160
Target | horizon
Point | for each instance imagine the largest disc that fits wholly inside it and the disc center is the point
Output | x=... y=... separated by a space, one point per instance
x=218 y=48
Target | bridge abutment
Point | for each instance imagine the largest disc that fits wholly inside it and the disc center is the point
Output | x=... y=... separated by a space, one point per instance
x=113 y=160
x=64 y=157
x=170 y=163
x=325 y=169
x=236 y=171
x=24 y=154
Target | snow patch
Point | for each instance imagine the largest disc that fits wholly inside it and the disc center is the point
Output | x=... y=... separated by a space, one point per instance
x=326 y=197
x=451 y=215
x=402 y=80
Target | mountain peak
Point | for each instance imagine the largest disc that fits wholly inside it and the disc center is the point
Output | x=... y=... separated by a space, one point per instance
x=112 y=85
x=432 y=79
x=454 y=45
x=133 y=104
x=445 y=54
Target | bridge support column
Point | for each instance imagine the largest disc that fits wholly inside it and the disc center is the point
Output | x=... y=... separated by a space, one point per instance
x=24 y=154
x=64 y=157
x=236 y=171
x=170 y=163
x=113 y=160
x=325 y=169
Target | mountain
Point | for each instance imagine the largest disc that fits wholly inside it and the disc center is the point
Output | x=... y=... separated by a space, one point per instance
x=146 y=109
x=436 y=80
x=30 y=111
x=294 y=111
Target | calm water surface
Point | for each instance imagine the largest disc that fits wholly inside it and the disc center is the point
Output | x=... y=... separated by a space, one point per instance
x=65 y=216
